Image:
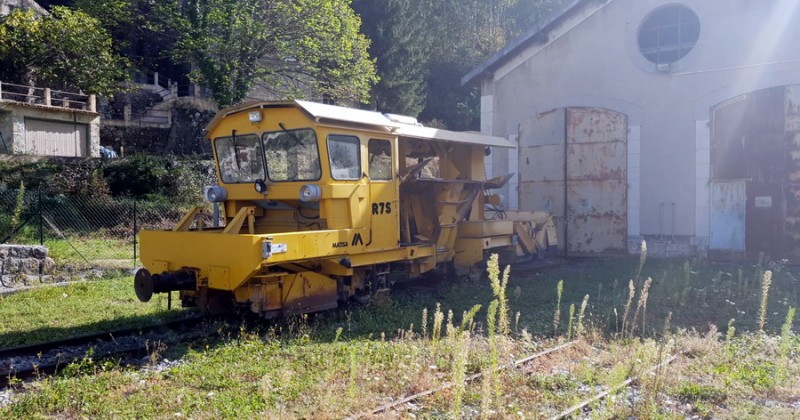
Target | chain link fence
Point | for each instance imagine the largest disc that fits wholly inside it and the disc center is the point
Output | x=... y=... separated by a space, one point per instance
x=87 y=231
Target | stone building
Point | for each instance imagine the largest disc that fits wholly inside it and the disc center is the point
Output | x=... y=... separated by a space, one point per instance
x=7 y=6
x=41 y=121
x=36 y=121
x=672 y=121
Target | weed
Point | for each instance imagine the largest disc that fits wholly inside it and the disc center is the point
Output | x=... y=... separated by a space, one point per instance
x=459 y=370
x=693 y=392
x=641 y=306
x=786 y=331
x=766 y=281
x=491 y=325
x=730 y=334
x=557 y=315
x=642 y=259
x=424 y=322
x=571 y=318
x=580 y=330
x=438 y=317
x=631 y=293
x=499 y=289
x=467 y=318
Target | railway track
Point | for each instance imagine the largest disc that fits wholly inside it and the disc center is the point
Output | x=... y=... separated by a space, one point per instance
x=24 y=362
x=611 y=391
x=567 y=413
x=516 y=363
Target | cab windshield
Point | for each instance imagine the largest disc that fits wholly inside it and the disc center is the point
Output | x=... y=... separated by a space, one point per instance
x=292 y=155
x=240 y=158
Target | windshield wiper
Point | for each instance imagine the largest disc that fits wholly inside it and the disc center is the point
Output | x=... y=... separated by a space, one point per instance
x=236 y=150
x=290 y=134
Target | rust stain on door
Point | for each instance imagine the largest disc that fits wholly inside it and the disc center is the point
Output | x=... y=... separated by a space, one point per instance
x=596 y=169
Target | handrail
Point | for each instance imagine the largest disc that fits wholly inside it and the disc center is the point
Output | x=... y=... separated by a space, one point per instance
x=47 y=97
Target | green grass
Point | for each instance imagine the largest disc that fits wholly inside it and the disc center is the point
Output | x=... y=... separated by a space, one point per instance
x=345 y=362
x=52 y=313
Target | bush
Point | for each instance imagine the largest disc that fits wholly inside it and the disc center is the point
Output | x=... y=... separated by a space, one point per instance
x=146 y=176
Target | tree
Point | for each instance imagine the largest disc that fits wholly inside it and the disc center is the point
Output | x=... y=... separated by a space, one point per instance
x=292 y=48
x=466 y=32
x=401 y=42
x=137 y=31
x=66 y=50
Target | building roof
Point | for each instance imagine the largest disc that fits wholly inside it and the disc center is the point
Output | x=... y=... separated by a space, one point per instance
x=323 y=113
x=538 y=34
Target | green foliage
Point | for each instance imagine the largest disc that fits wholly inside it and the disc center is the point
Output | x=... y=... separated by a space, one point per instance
x=16 y=217
x=402 y=42
x=291 y=48
x=693 y=392
x=66 y=50
x=136 y=29
x=143 y=175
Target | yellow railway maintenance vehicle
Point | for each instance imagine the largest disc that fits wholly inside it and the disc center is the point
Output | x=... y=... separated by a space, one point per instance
x=322 y=203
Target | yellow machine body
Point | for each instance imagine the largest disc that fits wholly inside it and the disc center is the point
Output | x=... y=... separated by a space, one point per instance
x=321 y=203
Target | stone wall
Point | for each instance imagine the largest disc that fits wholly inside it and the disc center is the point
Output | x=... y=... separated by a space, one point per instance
x=22 y=266
x=183 y=137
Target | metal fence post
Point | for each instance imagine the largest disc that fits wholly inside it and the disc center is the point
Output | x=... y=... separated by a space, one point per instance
x=135 y=231
x=41 y=218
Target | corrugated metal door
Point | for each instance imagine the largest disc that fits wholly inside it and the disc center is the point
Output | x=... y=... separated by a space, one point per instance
x=53 y=138
x=597 y=185
x=541 y=166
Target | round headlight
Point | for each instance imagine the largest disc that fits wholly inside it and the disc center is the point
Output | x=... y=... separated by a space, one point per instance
x=310 y=192
x=260 y=186
x=216 y=194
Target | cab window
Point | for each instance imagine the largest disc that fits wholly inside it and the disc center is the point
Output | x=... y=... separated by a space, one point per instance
x=380 y=160
x=345 y=157
x=239 y=158
x=292 y=155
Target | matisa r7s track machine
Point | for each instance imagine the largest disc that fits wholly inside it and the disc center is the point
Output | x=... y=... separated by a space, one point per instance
x=324 y=204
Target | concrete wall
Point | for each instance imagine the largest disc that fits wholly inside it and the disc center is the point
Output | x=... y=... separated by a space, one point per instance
x=594 y=61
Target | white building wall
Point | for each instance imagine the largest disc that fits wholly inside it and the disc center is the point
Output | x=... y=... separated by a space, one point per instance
x=594 y=61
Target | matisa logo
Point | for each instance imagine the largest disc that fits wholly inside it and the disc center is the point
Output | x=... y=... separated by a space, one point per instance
x=357 y=240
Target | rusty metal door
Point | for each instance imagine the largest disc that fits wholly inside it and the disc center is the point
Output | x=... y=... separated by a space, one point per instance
x=597 y=185
x=750 y=142
x=791 y=191
x=541 y=166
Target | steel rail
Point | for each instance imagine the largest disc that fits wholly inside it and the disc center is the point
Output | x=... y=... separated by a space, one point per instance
x=90 y=340
x=610 y=391
x=470 y=378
